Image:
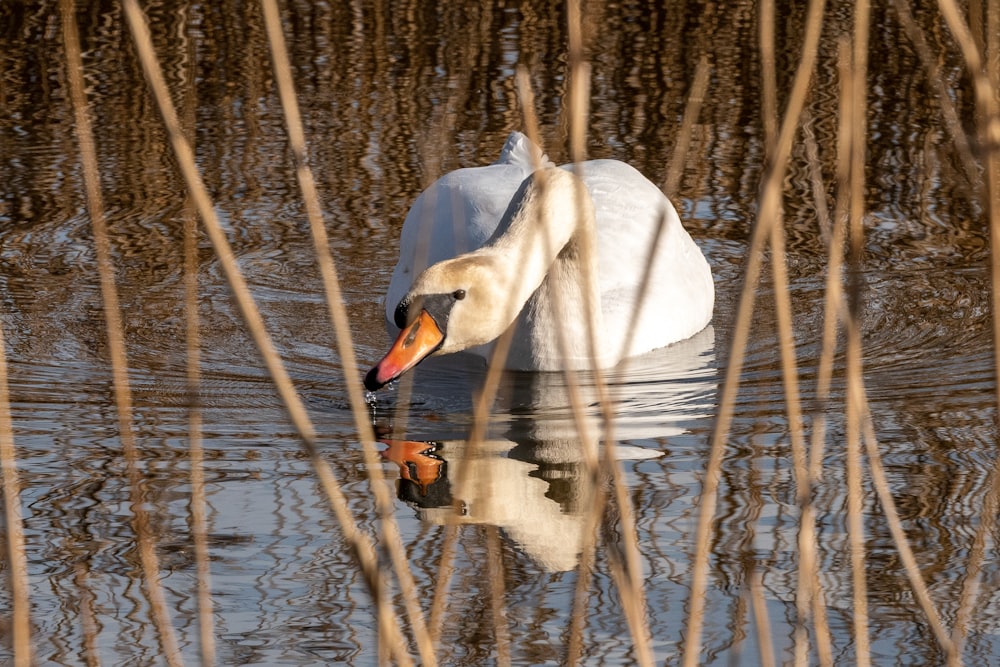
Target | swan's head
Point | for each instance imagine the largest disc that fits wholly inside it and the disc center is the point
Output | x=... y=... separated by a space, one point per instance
x=452 y=306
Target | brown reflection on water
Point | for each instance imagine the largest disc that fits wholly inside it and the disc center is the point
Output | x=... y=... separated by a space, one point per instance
x=393 y=95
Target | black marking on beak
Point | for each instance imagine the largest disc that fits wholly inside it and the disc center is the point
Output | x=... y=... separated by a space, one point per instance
x=438 y=306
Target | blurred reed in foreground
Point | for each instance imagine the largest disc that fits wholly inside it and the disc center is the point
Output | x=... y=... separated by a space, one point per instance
x=402 y=627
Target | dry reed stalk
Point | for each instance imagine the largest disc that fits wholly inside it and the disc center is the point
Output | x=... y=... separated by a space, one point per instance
x=881 y=484
x=627 y=569
x=487 y=393
x=477 y=435
x=443 y=574
x=973 y=569
x=768 y=70
x=88 y=619
x=987 y=106
x=984 y=69
x=808 y=571
x=855 y=500
x=851 y=162
x=808 y=563
x=495 y=367
x=815 y=168
x=859 y=416
x=20 y=611
x=629 y=579
x=359 y=541
x=759 y=603
x=858 y=410
x=585 y=571
x=495 y=572
x=692 y=109
x=835 y=233
x=338 y=317
x=590 y=459
x=579 y=89
x=985 y=76
x=770 y=200
x=145 y=540
x=494 y=371
x=581 y=593
x=531 y=126
x=988 y=56
x=832 y=301
x=199 y=522
x=482 y=406
x=578 y=112
x=847 y=176
x=931 y=64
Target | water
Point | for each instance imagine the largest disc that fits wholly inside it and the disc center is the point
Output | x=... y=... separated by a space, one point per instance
x=392 y=97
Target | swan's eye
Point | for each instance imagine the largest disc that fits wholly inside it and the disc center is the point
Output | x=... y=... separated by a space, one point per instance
x=458 y=294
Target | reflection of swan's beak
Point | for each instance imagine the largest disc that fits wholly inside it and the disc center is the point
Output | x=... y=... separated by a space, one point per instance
x=415 y=342
x=416 y=460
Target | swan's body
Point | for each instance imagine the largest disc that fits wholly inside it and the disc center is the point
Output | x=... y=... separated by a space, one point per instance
x=524 y=235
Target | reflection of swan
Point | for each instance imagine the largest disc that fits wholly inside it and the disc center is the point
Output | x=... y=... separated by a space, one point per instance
x=653 y=396
x=528 y=478
x=540 y=506
x=531 y=256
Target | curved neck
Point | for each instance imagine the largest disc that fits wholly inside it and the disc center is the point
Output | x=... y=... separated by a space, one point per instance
x=546 y=243
x=545 y=213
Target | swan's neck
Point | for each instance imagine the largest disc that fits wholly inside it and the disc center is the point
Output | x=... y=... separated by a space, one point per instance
x=547 y=247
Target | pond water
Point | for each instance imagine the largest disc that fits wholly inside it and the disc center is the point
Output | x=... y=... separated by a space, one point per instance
x=395 y=94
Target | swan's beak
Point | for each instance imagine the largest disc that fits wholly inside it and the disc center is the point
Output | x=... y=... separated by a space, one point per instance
x=414 y=343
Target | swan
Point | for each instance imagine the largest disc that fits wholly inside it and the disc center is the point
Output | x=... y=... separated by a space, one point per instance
x=512 y=243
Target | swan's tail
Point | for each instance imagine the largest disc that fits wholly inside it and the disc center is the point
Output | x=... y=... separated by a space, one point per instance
x=519 y=150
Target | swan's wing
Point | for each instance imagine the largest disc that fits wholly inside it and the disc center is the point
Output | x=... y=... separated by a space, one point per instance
x=680 y=296
x=456 y=214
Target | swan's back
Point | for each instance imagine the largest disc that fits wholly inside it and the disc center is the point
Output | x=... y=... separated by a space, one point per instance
x=679 y=297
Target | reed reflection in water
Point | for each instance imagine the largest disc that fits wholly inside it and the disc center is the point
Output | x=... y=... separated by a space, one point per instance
x=393 y=95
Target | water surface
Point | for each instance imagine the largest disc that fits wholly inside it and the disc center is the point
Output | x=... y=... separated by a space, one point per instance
x=393 y=96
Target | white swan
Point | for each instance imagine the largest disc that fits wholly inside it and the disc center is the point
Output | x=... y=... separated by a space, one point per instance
x=505 y=242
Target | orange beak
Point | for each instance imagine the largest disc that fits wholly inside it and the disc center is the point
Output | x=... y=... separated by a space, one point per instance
x=414 y=343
